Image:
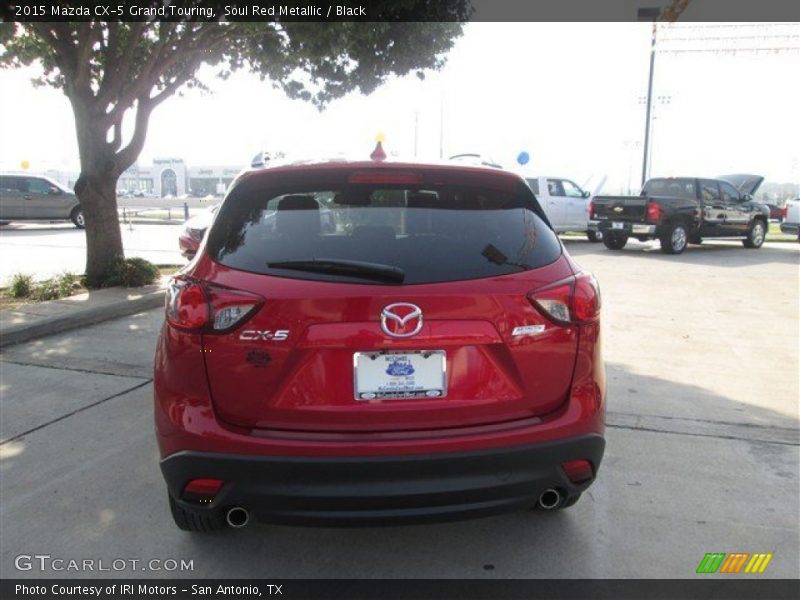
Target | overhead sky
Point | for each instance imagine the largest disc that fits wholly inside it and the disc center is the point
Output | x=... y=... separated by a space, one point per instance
x=567 y=93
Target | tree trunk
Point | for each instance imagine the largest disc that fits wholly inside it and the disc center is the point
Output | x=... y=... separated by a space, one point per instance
x=98 y=197
x=96 y=189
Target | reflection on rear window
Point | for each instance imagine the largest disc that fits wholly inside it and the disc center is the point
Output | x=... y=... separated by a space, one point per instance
x=674 y=188
x=430 y=235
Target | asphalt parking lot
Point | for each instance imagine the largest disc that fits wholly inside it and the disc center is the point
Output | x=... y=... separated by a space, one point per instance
x=703 y=455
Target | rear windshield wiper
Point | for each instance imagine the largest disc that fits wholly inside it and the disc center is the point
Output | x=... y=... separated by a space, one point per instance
x=350 y=268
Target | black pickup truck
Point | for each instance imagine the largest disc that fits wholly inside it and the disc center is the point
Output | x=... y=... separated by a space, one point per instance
x=683 y=210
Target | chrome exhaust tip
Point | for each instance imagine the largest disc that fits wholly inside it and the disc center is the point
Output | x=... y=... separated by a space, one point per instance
x=550 y=499
x=237 y=517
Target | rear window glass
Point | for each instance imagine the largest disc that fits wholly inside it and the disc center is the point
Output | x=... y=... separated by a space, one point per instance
x=673 y=188
x=379 y=235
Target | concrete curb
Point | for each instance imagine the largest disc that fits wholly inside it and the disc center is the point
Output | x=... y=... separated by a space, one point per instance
x=80 y=317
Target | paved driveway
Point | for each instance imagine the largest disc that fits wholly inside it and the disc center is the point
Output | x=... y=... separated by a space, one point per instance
x=703 y=454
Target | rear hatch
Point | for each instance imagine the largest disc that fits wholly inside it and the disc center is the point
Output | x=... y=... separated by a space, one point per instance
x=400 y=310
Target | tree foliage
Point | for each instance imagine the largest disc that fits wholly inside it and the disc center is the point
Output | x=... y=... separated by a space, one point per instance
x=112 y=70
x=109 y=68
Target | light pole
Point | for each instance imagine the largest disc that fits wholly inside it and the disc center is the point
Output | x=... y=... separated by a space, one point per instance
x=645 y=158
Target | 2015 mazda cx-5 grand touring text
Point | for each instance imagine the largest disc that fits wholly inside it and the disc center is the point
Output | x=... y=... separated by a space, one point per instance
x=433 y=353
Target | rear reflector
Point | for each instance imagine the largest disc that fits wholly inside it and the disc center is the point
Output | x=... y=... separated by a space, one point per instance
x=571 y=302
x=385 y=177
x=578 y=471
x=195 y=306
x=203 y=486
x=202 y=490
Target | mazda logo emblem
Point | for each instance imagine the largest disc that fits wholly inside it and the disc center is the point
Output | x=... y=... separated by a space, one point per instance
x=401 y=319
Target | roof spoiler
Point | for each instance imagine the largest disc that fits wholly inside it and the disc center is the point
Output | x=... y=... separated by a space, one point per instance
x=475 y=159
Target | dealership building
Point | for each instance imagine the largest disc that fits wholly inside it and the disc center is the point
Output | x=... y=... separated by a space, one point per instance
x=166 y=177
x=173 y=177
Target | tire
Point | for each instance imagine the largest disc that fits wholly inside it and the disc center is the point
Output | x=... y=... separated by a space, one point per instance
x=675 y=239
x=615 y=241
x=756 y=236
x=187 y=520
x=76 y=216
x=594 y=236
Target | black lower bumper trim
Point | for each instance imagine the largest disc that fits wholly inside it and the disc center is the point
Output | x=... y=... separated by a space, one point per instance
x=383 y=490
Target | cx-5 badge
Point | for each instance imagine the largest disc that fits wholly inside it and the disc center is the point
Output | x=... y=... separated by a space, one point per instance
x=253 y=335
x=401 y=319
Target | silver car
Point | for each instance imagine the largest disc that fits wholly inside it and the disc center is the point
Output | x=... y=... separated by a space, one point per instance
x=37 y=198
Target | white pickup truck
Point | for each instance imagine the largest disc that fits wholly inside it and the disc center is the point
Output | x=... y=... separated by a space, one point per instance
x=791 y=221
x=565 y=203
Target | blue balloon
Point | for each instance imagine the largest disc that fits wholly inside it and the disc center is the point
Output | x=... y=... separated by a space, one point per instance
x=523 y=158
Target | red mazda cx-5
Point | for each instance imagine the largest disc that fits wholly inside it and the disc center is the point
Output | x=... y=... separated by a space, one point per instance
x=433 y=353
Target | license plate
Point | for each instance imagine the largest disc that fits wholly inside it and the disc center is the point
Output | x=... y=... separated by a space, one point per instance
x=617 y=225
x=399 y=375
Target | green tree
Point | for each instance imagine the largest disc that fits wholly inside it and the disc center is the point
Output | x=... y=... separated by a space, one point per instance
x=108 y=70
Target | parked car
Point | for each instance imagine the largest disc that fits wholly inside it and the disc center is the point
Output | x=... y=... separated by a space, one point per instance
x=776 y=213
x=566 y=205
x=37 y=198
x=435 y=356
x=683 y=210
x=791 y=220
x=193 y=231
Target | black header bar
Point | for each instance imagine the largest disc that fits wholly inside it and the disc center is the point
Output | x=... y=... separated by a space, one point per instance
x=400 y=10
x=705 y=587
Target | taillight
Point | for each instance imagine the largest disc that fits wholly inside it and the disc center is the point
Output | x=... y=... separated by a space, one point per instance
x=578 y=471
x=230 y=308
x=653 y=214
x=591 y=210
x=202 y=490
x=186 y=305
x=572 y=302
x=196 y=306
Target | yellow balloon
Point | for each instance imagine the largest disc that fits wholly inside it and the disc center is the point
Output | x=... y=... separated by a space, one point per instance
x=25 y=165
x=380 y=137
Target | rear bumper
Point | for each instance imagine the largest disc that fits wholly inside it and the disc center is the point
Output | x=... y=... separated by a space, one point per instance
x=790 y=228
x=344 y=491
x=634 y=229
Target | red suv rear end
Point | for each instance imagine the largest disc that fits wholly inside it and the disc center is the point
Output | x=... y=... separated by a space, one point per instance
x=430 y=353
